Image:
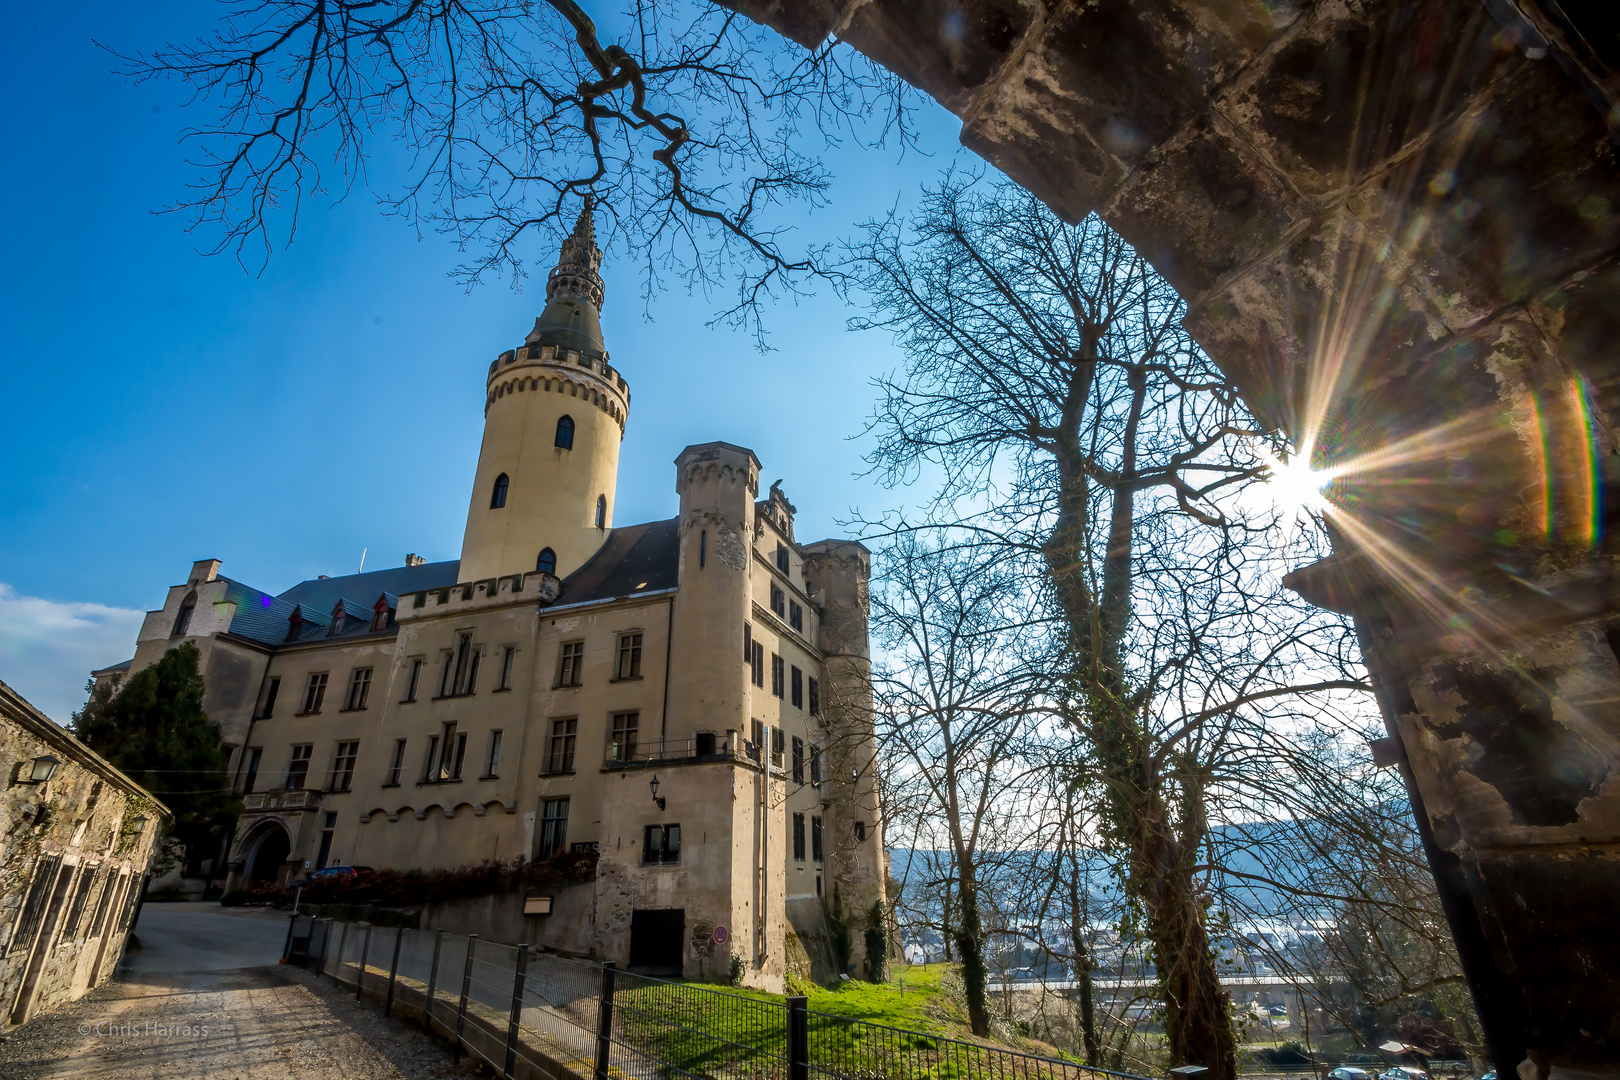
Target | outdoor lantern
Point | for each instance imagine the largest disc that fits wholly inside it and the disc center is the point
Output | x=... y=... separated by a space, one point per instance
x=137 y=824
x=654 y=785
x=44 y=768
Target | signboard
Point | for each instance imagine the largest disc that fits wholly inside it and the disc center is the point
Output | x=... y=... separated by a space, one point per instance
x=720 y=935
x=537 y=905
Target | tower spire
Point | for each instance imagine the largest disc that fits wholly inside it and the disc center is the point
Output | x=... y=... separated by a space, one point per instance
x=576 y=273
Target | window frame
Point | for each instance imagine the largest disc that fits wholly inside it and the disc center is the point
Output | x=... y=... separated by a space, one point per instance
x=343 y=765
x=563 y=667
x=492 y=757
x=564 y=423
x=664 y=832
x=497 y=494
x=315 y=692
x=414 y=683
x=553 y=836
x=815 y=696
x=796 y=687
x=778 y=676
x=796 y=616
x=627 y=654
x=546 y=562
x=778 y=600
x=508 y=662
x=631 y=729
x=798 y=836
x=397 y=766
x=818 y=839
x=267 y=700
x=797 y=760
x=359 y=689
x=561 y=746
x=295 y=759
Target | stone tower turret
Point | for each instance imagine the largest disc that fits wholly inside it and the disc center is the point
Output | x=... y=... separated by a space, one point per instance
x=554 y=415
x=717 y=483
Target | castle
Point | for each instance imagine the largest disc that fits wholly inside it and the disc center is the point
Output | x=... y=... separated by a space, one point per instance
x=688 y=699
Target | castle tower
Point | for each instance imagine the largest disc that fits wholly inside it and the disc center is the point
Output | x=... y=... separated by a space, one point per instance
x=554 y=415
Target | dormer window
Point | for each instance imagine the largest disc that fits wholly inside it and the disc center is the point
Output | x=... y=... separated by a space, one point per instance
x=547 y=562
x=565 y=433
x=339 y=622
x=182 y=621
x=382 y=614
x=497 y=496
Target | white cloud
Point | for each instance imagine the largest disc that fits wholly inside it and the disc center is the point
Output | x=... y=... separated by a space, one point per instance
x=48 y=648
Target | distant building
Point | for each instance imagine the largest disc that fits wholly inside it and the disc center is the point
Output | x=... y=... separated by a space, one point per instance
x=524 y=700
x=76 y=838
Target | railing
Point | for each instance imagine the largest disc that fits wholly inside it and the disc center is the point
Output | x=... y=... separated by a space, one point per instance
x=529 y=1013
x=706 y=748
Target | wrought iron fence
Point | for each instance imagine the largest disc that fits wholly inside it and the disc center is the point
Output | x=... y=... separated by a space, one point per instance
x=533 y=1014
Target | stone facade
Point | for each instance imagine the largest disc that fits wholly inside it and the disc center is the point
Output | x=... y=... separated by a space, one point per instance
x=431 y=717
x=1396 y=224
x=73 y=851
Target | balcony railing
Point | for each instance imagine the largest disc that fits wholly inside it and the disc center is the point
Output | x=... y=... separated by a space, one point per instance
x=302 y=799
x=703 y=748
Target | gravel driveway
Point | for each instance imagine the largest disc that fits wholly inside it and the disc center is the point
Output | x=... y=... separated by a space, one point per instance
x=251 y=1023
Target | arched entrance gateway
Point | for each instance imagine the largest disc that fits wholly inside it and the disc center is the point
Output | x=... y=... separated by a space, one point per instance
x=1396 y=224
x=267 y=852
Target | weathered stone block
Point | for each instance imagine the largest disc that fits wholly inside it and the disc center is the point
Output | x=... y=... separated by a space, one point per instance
x=945 y=48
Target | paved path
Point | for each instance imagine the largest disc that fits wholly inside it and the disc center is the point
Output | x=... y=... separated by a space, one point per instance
x=203 y=999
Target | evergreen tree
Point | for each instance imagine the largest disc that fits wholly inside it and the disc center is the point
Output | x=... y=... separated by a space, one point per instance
x=153 y=728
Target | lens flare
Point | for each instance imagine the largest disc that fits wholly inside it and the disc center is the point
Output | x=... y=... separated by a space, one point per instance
x=1292 y=484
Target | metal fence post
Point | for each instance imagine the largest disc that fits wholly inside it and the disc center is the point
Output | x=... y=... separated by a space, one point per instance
x=798 y=1033
x=520 y=973
x=466 y=987
x=604 y=1020
x=343 y=942
x=286 y=949
x=360 y=976
x=393 y=971
x=433 y=982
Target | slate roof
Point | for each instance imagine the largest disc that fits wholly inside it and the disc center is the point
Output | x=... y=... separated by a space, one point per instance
x=635 y=559
x=264 y=617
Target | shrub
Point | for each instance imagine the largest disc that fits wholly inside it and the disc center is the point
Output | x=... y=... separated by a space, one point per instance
x=409 y=887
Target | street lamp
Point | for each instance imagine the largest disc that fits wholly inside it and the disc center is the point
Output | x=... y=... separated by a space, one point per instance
x=44 y=767
x=654 y=786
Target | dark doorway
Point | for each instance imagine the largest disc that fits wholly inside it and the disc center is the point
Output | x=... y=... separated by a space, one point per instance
x=655 y=941
x=269 y=856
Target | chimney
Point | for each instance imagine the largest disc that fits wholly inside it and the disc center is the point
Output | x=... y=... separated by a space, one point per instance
x=414 y=560
x=203 y=570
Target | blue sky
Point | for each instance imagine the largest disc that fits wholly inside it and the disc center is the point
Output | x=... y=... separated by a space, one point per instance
x=162 y=406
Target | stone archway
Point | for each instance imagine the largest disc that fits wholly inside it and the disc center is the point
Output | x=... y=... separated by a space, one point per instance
x=1396 y=223
x=267 y=855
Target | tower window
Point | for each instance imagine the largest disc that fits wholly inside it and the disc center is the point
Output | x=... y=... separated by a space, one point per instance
x=497 y=497
x=182 y=621
x=565 y=433
x=547 y=562
x=601 y=511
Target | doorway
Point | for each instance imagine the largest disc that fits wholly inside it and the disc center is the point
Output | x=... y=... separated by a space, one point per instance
x=269 y=857
x=656 y=939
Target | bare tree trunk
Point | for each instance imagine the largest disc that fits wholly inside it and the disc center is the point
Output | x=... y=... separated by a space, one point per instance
x=970 y=944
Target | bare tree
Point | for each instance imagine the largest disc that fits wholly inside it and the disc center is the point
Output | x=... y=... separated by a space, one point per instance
x=954 y=699
x=689 y=124
x=1074 y=426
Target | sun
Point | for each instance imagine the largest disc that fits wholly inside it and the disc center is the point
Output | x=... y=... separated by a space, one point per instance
x=1293 y=485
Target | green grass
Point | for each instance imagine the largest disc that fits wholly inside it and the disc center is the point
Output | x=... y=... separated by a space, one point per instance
x=730 y=1032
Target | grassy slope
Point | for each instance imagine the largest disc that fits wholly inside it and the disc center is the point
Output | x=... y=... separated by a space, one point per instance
x=706 y=1033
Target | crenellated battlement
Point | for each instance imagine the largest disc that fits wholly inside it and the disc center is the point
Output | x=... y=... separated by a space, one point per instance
x=549 y=369
x=532 y=588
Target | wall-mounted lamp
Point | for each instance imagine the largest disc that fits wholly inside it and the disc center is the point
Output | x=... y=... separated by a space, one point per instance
x=137 y=824
x=44 y=767
x=654 y=785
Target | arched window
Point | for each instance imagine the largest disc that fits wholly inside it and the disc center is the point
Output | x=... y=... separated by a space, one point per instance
x=601 y=511
x=547 y=562
x=565 y=432
x=182 y=621
x=497 y=497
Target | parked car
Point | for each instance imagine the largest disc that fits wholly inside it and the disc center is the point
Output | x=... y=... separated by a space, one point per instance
x=1278 y=1010
x=1349 y=1072
x=332 y=872
x=1403 y=1072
